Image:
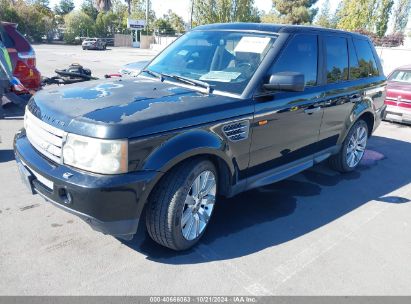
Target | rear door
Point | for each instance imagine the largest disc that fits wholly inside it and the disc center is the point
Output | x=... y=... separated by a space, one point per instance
x=287 y=124
x=340 y=93
x=351 y=80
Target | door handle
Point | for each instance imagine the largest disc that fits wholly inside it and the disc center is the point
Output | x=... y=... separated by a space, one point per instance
x=310 y=111
x=355 y=98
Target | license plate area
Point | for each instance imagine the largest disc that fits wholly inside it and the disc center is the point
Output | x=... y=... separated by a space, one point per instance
x=28 y=175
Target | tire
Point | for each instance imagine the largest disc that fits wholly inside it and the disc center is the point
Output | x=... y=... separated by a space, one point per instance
x=342 y=161
x=172 y=212
x=84 y=48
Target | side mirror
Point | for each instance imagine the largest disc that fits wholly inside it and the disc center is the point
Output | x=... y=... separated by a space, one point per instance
x=286 y=81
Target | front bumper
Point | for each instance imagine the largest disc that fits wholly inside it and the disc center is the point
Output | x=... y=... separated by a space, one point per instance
x=109 y=204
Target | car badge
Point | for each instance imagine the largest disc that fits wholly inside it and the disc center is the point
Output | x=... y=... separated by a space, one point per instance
x=67 y=175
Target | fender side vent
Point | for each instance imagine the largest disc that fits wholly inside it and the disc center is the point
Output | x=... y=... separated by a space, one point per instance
x=237 y=131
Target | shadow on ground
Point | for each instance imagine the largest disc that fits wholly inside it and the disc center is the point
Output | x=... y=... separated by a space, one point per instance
x=284 y=211
x=12 y=111
x=6 y=156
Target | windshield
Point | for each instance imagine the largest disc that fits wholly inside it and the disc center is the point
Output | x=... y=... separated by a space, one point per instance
x=402 y=76
x=224 y=60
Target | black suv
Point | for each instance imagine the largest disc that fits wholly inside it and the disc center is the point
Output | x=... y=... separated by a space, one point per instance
x=224 y=109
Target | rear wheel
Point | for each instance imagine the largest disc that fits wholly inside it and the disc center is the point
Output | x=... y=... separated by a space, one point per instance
x=181 y=205
x=353 y=148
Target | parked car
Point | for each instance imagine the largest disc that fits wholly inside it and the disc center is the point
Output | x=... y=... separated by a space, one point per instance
x=93 y=44
x=22 y=56
x=134 y=68
x=249 y=105
x=398 y=99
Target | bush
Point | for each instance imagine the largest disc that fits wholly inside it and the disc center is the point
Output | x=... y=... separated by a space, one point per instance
x=391 y=40
x=78 y=24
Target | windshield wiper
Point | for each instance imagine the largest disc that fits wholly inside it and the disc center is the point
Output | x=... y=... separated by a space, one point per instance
x=194 y=82
x=154 y=74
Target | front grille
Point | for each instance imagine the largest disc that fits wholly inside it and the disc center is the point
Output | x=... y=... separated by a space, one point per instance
x=44 y=138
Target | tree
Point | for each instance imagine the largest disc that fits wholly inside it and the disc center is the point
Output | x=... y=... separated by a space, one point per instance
x=103 y=5
x=88 y=8
x=295 y=11
x=325 y=19
x=401 y=14
x=64 y=7
x=78 y=24
x=383 y=16
x=214 y=11
x=177 y=23
x=170 y=24
x=358 y=14
x=35 y=19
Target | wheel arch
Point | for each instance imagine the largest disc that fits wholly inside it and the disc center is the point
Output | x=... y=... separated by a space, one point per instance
x=365 y=113
x=191 y=145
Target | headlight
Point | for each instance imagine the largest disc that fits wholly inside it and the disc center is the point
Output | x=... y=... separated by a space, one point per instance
x=96 y=155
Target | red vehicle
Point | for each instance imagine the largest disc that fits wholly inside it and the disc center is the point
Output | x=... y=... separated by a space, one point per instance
x=22 y=56
x=398 y=98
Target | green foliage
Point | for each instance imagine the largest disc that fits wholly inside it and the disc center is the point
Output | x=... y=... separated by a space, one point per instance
x=401 y=14
x=219 y=11
x=295 y=11
x=358 y=14
x=170 y=24
x=78 y=24
x=88 y=8
x=35 y=20
x=64 y=7
x=383 y=16
x=138 y=11
x=325 y=19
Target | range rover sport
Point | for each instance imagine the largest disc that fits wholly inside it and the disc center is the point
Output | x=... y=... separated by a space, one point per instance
x=224 y=109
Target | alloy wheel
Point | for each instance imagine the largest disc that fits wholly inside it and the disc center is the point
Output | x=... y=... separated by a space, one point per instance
x=356 y=146
x=199 y=205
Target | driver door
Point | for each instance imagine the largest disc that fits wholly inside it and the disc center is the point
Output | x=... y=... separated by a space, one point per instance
x=287 y=124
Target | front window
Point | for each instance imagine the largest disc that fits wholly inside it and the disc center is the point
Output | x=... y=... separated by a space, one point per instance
x=225 y=60
x=401 y=76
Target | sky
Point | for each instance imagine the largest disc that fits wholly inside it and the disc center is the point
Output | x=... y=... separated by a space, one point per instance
x=182 y=7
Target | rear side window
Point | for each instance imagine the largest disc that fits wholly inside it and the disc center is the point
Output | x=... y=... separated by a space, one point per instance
x=337 y=59
x=366 y=60
x=300 y=55
x=5 y=38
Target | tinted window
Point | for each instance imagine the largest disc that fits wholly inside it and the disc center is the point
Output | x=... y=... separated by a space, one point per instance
x=354 y=66
x=5 y=38
x=300 y=55
x=337 y=59
x=366 y=60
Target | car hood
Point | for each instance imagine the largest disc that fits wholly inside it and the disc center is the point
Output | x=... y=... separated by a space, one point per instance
x=127 y=108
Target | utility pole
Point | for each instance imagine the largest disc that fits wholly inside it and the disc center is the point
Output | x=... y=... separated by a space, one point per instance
x=192 y=13
x=147 y=13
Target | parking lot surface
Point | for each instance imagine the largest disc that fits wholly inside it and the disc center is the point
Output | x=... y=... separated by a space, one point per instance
x=317 y=233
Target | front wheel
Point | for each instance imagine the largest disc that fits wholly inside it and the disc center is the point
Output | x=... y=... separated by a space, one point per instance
x=352 y=150
x=181 y=205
